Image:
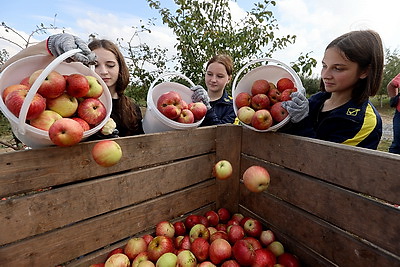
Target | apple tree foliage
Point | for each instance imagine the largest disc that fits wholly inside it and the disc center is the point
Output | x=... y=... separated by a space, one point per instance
x=205 y=28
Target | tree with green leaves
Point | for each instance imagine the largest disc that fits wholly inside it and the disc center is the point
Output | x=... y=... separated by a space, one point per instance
x=205 y=28
x=392 y=68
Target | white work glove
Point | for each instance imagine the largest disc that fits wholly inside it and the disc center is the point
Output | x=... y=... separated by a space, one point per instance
x=297 y=107
x=60 y=43
x=109 y=127
x=200 y=95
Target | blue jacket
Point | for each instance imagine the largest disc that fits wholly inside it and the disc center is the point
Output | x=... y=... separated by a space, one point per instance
x=352 y=124
x=221 y=111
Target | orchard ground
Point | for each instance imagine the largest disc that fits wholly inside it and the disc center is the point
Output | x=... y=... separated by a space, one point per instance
x=384 y=109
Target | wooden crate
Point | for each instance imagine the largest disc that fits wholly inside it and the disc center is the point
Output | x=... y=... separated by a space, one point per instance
x=327 y=203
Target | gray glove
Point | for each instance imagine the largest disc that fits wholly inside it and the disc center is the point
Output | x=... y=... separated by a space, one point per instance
x=200 y=95
x=63 y=42
x=297 y=107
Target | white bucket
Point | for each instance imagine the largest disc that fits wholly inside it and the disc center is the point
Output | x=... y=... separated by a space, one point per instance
x=154 y=121
x=15 y=72
x=272 y=72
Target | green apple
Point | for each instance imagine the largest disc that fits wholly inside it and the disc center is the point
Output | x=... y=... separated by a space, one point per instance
x=65 y=105
x=95 y=88
x=168 y=259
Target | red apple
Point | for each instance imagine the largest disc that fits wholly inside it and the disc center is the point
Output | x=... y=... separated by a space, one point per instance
x=106 y=153
x=117 y=260
x=199 y=110
x=134 y=246
x=243 y=99
x=254 y=242
x=260 y=101
x=191 y=220
x=65 y=132
x=222 y=227
x=274 y=96
x=245 y=114
x=237 y=217
x=180 y=228
x=278 y=113
x=253 y=227
x=184 y=104
x=45 y=120
x=244 y=220
x=244 y=253
x=25 y=81
x=186 y=116
x=224 y=215
x=260 y=87
x=64 y=104
x=83 y=123
x=284 y=83
x=92 y=111
x=170 y=105
x=95 y=88
x=186 y=258
x=206 y=264
x=219 y=234
x=276 y=247
x=147 y=238
x=222 y=170
x=219 y=251
x=77 y=85
x=12 y=88
x=288 y=260
x=199 y=231
x=53 y=85
x=256 y=179
x=264 y=257
x=285 y=96
x=15 y=100
x=185 y=243
x=200 y=248
x=267 y=237
x=212 y=217
x=230 y=263
x=212 y=229
x=235 y=233
x=204 y=221
x=262 y=119
x=165 y=228
x=159 y=246
x=115 y=251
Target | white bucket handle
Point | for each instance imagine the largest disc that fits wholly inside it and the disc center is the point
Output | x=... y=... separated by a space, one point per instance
x=150 y=96
x=289 y=69
x=35 y=86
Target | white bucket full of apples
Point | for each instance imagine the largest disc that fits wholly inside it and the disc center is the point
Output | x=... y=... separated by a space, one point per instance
x=170 y=106
x=32 y=98
x=259 y=94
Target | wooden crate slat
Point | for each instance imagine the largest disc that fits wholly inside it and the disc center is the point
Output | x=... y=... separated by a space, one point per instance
x=363 y=170
x=38 y=213
x=338 y=246
x=78 y=239
x=25 y=171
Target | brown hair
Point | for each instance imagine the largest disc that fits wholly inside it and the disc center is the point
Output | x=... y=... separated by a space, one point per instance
x=364 y=48
x=223 y=59
x=129 y=116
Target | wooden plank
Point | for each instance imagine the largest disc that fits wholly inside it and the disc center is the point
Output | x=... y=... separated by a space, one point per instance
x=363 y=170
x=336 y=245
x=77 y=239
x=24 y=217
x=24 y=171
x=228 y=144
x=348 y=210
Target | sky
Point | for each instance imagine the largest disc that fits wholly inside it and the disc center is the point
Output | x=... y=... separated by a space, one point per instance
x=314 y=22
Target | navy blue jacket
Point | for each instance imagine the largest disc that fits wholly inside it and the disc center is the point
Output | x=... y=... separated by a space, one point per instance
x=221 y=111
x=352 y=124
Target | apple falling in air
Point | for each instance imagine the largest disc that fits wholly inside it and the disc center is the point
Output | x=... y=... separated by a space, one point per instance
x=256 y=179
x=106 y=153
x=222 y=170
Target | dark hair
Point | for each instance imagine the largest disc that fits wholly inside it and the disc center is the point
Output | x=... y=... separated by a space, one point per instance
x=129 y=115
x=223 y=59
x=365 y=48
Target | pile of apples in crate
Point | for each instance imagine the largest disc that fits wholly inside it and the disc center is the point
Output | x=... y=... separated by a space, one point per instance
x=262 y=108
x=216 y=238
x=61 y=102
x=172 y=106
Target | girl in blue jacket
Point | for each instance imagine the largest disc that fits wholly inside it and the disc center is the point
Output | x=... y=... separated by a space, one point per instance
x=352 y=69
